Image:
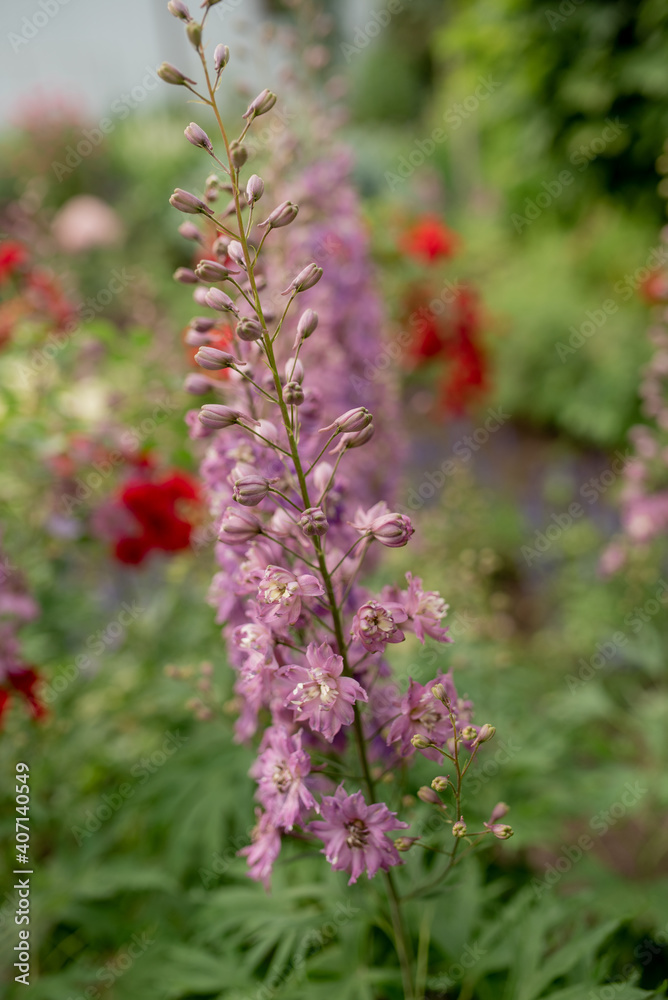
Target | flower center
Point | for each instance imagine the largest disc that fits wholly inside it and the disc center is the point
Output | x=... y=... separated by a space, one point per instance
x=281 y=777
x=358 y=833
x=377 y=619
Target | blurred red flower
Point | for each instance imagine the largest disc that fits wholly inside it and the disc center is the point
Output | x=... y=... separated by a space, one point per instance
x=453 y=336
x=23 y=681
x=153 y=506
x=13 y=256
x=430 y=239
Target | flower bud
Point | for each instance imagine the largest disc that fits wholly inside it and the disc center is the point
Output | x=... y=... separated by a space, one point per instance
x=281 y=216
x=499 y=810
x=213 y=360
x=216 y=299
x=249 y=329
x=216 y=416
x=263 y=102
x=420 y=743
x=459 y=828
x=502 y=831
x=267 y=430
x=354 y=440
x=254 y=189
x=307 y=278
x=235 y=252
x=250 y=490
x=197 y=136
x=179 y=9
x=439 y=783
x=293 y=394
x=189 y=231
x=199 y=295
x=294 y=370
x=469 y=733
x=308 y=321
x=186 y=202
x=486 y=733
x=352 y=420
x=194 y=33
x=197 y=385
x=313 y=522
x=428 y=795
x=186 y=276
x=202 y=323
x=438 y=691
x=392 y=530
x=238 y=154
x=211 y=270
x=405 y=843
x=221 y=57
x=238 y=527
x=170 y=74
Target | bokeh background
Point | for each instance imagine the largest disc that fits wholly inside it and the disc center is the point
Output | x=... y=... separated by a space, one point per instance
x=509 y=157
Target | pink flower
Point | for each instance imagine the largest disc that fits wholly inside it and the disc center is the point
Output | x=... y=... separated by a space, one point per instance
x=282 y=592
x=424 y=608
x=377 y=624
x=264 y=849
x=280 y=771
x=321 y=696
x=422 y=714
x=393 y=530
x=354 y=834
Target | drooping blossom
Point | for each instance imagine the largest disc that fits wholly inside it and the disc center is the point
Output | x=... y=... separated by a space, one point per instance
x=355 y=834
x=281 y=592
x=422 y=714
x=280 y=771
x=424 y=609
x=321 y=696
x=263 y=850
x=374 y=625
